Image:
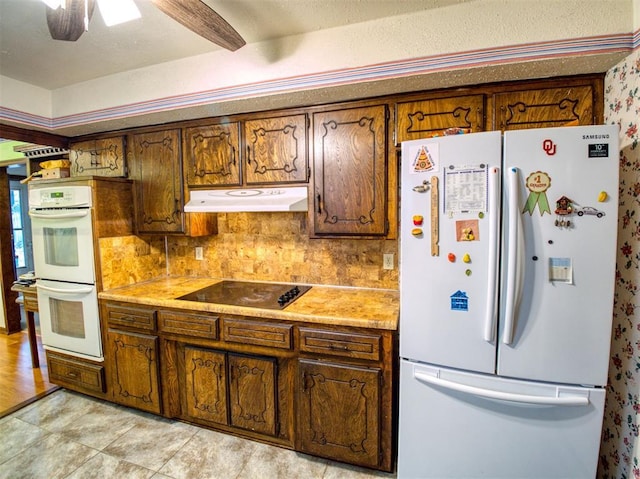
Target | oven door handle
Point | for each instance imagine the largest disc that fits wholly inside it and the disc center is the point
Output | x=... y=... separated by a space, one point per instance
x=55 y=216
x=84 y=290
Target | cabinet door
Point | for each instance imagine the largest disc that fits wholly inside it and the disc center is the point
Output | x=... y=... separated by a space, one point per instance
x=350 y=158
x=212 y=155
x=427 y=118
x=134 y=372
x=339 y=412
x=205 y=381
x=104 y=157
x=252 y=393
x=570 y=106
x=156 y=169
x=276 y=150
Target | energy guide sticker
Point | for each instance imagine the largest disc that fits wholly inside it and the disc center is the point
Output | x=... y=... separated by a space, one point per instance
x=426 y=159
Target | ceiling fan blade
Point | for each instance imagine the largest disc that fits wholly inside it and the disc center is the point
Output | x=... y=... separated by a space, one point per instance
x=68 y=23
x=201 y=19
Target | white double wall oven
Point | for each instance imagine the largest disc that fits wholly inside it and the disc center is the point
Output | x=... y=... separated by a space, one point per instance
x=61 y=221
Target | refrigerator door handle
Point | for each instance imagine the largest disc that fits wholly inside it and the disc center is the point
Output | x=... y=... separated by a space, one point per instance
x=570 y=399
x=492 y=280
x=515 y=259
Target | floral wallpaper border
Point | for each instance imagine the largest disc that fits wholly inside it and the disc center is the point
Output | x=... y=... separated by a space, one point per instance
x=620 y=448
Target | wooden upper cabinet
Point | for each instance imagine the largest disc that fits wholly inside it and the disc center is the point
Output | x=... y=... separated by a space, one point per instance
x=549 y=107
x=155 y=166
x=276 y=150
x=212 y=155
x=101 y=157
x=349 y=172
x=427 y=118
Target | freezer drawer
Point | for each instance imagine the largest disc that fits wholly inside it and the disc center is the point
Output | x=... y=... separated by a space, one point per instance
x=455 y=424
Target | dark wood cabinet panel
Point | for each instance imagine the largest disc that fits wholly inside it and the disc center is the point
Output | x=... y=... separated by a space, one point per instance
x=276 y=150
x=429 y=117
x=542 y=108
x=335 y=343
x=252 y=393
x=100 y=157
x=205 y=380
x=338 y=412
x=121 y=316
x=155 y=160
x=134 y=375
x=79 y=375
x=212 y=155
x=258 y=333
x=350 y=160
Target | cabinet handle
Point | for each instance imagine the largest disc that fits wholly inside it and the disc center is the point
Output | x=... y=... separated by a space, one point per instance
x=319 y=198
x=338 y=348
x=72 y=374
x=233 y=150
x=248 y=155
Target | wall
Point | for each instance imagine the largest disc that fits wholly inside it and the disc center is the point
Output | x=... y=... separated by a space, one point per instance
x=620 y=450
x=277 y=247
x=253 y=247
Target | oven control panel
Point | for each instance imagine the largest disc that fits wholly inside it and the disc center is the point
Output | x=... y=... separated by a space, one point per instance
x=59 y=197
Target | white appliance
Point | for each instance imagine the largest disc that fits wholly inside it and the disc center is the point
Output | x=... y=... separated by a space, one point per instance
x=507 y=266
x=61 y=220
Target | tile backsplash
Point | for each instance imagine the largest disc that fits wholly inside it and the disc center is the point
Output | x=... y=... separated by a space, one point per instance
x=255 y=247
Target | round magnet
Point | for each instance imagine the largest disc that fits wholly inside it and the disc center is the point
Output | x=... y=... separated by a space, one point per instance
x=468 y=272
x=602 y=197
x=451 y=257
x=416 y=231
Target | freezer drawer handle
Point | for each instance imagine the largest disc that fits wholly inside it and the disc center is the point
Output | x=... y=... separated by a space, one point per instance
x=501 y=395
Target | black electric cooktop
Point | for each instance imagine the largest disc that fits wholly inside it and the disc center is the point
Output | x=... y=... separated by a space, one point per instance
x=254 y=295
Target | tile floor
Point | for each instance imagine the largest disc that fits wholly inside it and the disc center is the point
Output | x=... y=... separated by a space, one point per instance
x=69 y=435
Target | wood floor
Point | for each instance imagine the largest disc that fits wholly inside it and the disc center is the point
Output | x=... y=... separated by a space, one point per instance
x=19 y=382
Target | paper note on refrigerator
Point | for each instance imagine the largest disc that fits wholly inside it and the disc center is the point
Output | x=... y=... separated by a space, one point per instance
x=561 y=270
x=465 y=189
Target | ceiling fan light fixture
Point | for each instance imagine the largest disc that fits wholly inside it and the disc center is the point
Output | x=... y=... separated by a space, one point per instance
x=115 y=12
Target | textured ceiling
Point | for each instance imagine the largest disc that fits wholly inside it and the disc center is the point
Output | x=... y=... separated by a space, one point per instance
x=28 y=54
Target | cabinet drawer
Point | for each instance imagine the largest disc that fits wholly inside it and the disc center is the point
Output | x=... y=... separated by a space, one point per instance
x=128 y=317
x=70 y=372
x=257 y=333
x=194 y=325
x=351 y=345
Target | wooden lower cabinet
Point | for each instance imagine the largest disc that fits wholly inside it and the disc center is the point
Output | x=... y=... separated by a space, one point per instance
x=339 y=412
x=252 y=393
x=221 y=388
x=324 y=390
x=134 y=370
x=205 y=385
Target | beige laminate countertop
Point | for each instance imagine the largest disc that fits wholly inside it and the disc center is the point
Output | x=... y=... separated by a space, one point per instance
x=359 y=307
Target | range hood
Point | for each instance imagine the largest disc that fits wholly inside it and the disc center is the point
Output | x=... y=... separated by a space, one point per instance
x=248 y=199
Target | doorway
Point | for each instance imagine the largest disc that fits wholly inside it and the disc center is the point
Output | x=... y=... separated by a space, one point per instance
x=20 y=221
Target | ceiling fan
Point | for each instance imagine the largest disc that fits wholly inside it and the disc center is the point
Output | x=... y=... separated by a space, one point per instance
x=71 y=19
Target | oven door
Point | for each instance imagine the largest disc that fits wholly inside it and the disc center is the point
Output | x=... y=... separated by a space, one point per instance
x=69 y=319
x=63 y=244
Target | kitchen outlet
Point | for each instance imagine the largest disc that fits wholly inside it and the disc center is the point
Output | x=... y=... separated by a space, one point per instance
x=387 y=261
x=199 y=253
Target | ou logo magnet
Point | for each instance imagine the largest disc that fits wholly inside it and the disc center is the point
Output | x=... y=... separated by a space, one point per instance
x=549 y=147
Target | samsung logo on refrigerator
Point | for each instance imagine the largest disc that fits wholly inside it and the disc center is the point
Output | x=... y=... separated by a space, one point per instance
x=595 y=137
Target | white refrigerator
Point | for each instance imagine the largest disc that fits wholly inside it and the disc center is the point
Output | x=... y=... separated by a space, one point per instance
x=507 y=266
